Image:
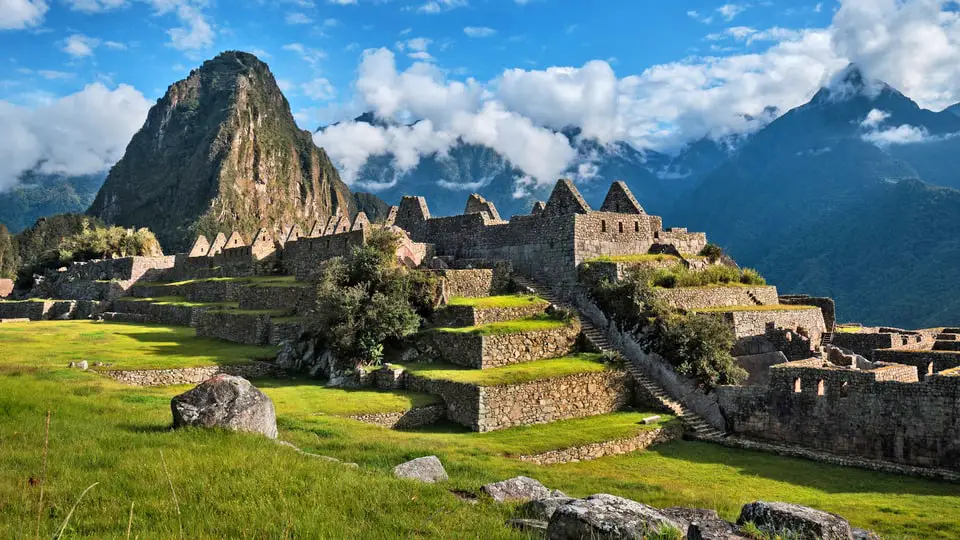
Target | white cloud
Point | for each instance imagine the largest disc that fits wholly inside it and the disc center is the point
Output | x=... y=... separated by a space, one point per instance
x=730 y=11
x=417 y=48
x=196 y=33
x=79 y=45
x=479 y=31
x=319 y=89
x=439 y=6
x=342 y=2
x=20 y=14
x=904 y=134
x=298 y=18
x=308 y=54
x=52 y=75
x=875 y=118
x=69 y=135
x=94 y=6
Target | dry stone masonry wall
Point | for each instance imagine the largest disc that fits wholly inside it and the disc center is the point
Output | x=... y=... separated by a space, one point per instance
x=690 y=298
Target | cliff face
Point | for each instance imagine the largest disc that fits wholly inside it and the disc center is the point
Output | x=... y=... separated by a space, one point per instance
x=221 y=151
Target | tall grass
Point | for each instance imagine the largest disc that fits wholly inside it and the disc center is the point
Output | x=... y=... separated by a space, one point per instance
x=681 y=276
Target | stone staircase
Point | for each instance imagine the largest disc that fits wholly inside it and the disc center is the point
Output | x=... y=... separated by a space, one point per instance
x=826 y=338
x=697 y=426
x=754 y=299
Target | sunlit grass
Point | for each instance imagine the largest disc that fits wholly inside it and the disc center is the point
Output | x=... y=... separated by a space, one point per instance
x=512 y=374
x=489 y=302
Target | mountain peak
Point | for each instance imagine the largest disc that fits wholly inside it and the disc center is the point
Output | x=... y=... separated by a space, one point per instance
x=849 y=83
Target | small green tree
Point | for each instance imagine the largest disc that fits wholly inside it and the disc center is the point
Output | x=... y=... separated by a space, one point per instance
x=9 y=258
x=367 y=300
x=712 y=252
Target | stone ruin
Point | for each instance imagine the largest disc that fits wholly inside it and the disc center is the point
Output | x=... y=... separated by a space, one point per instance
x=881 y=393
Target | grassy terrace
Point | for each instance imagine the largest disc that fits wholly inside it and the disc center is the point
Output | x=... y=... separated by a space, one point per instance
x=102 y=431
x=177 y=301
x=513 y=374
x=52 y=344
x=637 y=258
x=271 y=312
x=256 y=281
x=529 y=324
x=492 y=302
x=774 y=307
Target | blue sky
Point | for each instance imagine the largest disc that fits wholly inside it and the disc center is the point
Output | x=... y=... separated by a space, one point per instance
x=77 y=76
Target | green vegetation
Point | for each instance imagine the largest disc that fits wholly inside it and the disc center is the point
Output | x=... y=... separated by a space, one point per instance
x=367 y=301
x=50 y=344
x=715 y=275
x=105 y=432
x=257 y=281
x=490 y=302
x=849 y=329
x=696 y=345
x=637 y=258
x=512 y=374
x=712 y=252
x=177 y=301
x=9 y=257
x=771 y=307
x=529 y=324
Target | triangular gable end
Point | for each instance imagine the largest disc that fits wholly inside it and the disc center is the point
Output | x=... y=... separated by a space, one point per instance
x=476 y=204
x=294 y=234
x=200 y=248
x=235 y=240
x=332 y=225
x=620 y=200
x=391 y=217
x=538 y=208
x=218 y=244
x=262 y=238
x=565 y=200
x=317 y=229
x=361 y=222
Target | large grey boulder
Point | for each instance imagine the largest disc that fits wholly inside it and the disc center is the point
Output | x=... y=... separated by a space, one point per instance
x=795 y=521
x=520 y=488
x=703 y=524
x=228 y=402
x=543 y=509
x=607 y=517
x=425 y=469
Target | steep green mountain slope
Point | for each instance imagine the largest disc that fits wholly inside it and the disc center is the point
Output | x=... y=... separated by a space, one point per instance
x=221 y=151
x=41 y=195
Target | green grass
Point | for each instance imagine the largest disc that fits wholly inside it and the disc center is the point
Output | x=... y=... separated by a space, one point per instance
x=256 y=281
x=271 y=312
x=50 y=344
x=774 y=307
x=637 y=258
x=242 y=486
x=307 y=397
x=529 y=324
x=177 y=301
x=513 y=374
x=490 y=302
x=849 y=329
x=30 y=300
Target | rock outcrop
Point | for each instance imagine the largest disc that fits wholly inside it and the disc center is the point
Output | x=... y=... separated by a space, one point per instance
x=608 y=516
x=426 y=469
x=226 y=402
x=520 y=488
x=219 y=152
x=798 y=521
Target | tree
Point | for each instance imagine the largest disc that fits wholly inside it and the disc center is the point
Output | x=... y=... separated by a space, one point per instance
x=9 y=258
x=367 y=300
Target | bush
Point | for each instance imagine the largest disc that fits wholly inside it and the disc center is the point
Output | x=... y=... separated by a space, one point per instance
x=752 y=277
x=681 y=276
x=367 y=300
x=712 y=252
x=614 y=359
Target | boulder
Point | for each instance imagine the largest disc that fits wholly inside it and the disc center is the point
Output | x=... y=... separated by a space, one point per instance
x=228 y=402
x=605 y=516
x=703 y=524
x=543 y=509
x=424 y=469
x=521 y=489
x=794 y=520
x=532 y=526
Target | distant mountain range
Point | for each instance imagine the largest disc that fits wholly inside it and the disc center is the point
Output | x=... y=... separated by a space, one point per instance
x=446 y=180
x=39 y=195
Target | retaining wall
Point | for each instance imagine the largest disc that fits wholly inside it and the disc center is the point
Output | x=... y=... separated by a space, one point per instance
x=708 y=297
x=462 y=316
x=482 y=352
x=164 y=377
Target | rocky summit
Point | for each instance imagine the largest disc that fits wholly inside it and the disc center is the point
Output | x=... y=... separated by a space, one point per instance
x=219 y=152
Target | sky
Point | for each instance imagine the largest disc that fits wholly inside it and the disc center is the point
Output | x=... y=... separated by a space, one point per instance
x=78 y=76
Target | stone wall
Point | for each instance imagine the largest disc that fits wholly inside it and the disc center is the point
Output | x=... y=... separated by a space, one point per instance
x=477 y=282
x=827 y=306
x=755 y=323
x=160 y=313
x=460 y=316
x=292 y=299
x=42 y=310
x=248 y=329
x=926 y=362
x=871 y=414
x=414 y=418
x=483 y=352
x=540 y=402
x=490 y=408
x=164 y=377
x=864 y=343
x=645 y=439
x=689 y=298
x=308 y=254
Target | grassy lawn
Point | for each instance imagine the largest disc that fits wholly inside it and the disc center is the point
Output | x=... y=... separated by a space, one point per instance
x=242 y=486
x=513 y=374
x=54 y=344
x=775 y=307
x=529 y=324
x=490 y=302
x=177 y=301
x=637 y=258
x=257 y=281
x=306 y=397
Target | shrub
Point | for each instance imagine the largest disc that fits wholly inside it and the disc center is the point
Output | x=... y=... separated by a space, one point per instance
x=367 y=300
x=614 y=359
x=712 y=252
x=681 y=276
x=752 y=277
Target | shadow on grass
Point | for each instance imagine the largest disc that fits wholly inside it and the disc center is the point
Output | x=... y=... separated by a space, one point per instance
x=825 y=477
x=146 y=428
